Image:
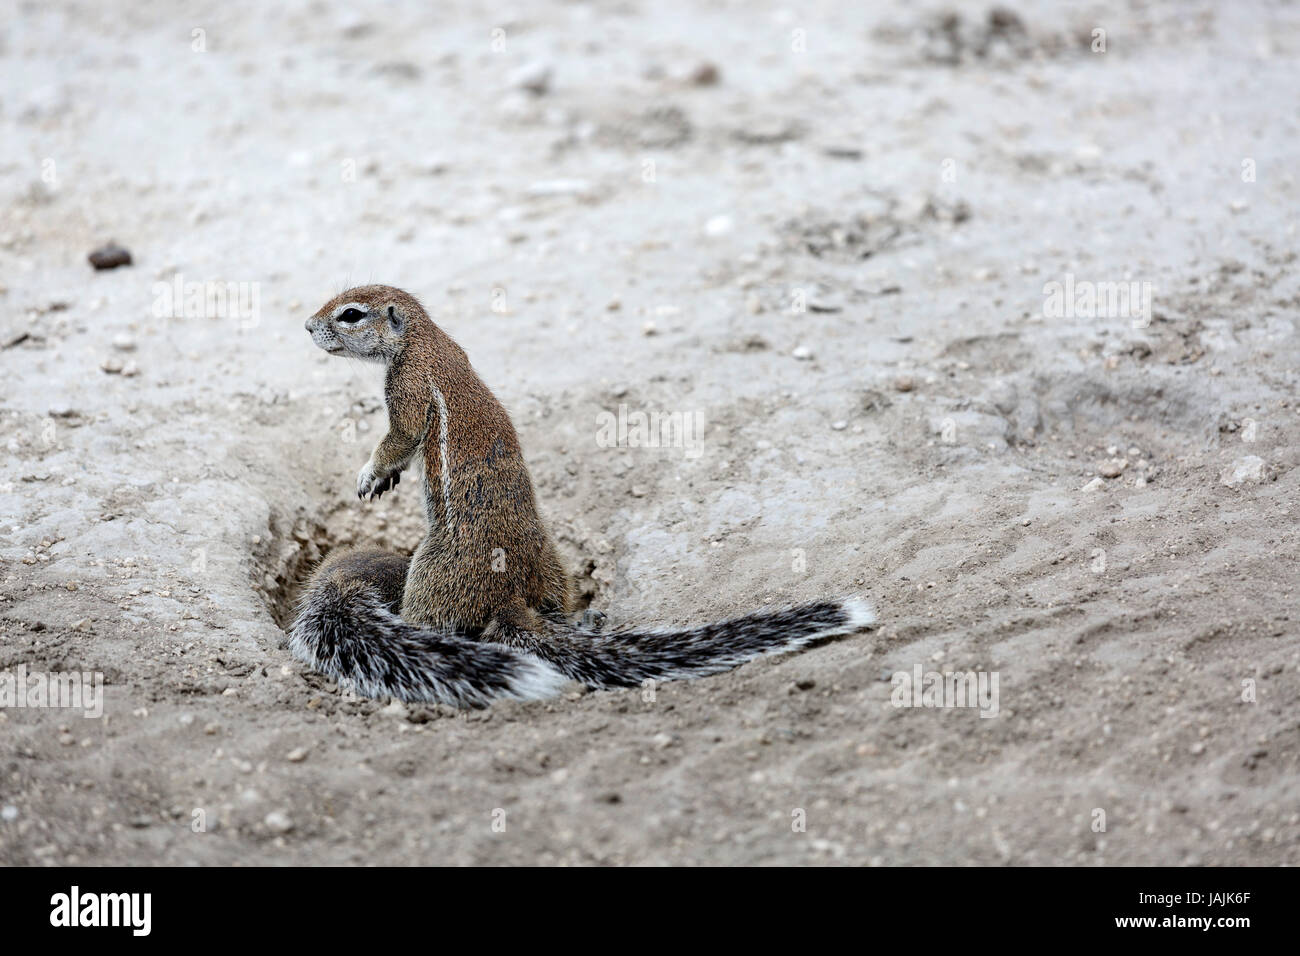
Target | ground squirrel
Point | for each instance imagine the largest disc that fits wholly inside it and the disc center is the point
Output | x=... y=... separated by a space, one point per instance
x=481 y=609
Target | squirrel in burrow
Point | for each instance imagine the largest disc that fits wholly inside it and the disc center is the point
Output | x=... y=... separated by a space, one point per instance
x=481 y=610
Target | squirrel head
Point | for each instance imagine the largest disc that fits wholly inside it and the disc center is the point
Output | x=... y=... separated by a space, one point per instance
x=368 y=322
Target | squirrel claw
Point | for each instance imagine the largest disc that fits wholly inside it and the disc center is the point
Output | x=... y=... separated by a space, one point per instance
x=372 y=485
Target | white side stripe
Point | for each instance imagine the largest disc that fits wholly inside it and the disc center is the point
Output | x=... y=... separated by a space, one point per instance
x=442 y=453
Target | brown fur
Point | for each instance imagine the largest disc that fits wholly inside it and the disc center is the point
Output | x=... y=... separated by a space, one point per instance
x=348 y=571
x=490 y=562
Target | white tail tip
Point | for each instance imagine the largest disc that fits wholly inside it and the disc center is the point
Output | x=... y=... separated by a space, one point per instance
x=861 y=613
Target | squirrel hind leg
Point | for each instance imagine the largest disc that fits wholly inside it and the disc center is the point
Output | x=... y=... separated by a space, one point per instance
x=592 y=620
x=516 y=625
x=564 y=620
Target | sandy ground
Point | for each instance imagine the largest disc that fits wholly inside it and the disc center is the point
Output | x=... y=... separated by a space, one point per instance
x=825 y=233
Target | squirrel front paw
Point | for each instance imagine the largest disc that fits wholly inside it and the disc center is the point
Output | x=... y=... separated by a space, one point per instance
x=372 y=483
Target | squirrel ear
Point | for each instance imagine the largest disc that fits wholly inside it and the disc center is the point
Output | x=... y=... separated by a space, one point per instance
x=394 y=318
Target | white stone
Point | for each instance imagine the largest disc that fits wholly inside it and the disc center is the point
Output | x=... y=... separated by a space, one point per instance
x=1250 y=469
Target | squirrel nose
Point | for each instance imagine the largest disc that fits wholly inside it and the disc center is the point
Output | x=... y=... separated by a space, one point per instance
x=309 y=325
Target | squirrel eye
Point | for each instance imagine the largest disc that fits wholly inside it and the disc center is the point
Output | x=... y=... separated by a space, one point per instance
x=352 y=315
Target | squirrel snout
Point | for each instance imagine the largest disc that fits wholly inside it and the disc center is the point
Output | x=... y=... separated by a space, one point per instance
x=310 y=324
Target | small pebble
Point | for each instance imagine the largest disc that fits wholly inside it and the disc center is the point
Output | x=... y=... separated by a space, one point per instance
x=109 y=256
x=1246 y=470
x=535 y=77
x=278 y=822
x=704 y=74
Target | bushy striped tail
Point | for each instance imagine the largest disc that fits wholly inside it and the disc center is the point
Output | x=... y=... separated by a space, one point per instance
x=626 y=657
x=347 y=628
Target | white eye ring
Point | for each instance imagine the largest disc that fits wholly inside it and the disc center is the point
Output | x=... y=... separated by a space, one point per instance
x=351 y=313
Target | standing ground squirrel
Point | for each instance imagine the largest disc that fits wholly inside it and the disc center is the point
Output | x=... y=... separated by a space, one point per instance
x=480 y=610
